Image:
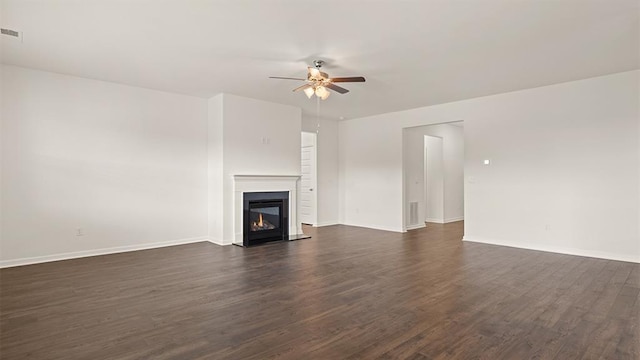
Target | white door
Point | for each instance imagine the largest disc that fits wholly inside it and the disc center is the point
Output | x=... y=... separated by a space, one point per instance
x=308 y=191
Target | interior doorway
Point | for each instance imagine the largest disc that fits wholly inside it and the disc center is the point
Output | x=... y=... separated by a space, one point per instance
x=433 y=171
x=308 y=182
x=433 y=194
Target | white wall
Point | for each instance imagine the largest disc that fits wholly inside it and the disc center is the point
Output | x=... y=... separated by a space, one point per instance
x=2 y=81
x=370 y=173
x=453 y=147
x=564 y=174
x=126 y=165
x=215 y=169
x=258 y=138
x=450 y=190
x=327 y=186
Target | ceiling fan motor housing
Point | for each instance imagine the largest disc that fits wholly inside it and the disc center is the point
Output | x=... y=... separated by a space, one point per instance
x=321 y=76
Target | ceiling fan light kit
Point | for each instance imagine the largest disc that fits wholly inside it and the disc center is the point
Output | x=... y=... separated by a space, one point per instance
x=319 y=83
x=322 y=92
x=309 y=92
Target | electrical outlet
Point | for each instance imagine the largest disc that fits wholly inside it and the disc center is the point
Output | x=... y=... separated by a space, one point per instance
x=79 y=232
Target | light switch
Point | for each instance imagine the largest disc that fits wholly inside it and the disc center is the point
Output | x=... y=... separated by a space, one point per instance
x=487 y=162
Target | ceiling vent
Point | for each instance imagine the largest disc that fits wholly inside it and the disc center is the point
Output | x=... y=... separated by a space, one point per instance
x=17 y=35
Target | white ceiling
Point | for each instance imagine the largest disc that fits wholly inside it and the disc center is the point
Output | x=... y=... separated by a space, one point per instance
x=413 y=53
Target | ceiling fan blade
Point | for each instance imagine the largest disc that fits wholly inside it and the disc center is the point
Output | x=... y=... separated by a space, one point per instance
x=336 y=88
x=285 y=78
x=302 y=87
x=348 y=79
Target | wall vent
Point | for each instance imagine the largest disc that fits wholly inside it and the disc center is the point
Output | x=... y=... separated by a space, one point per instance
x=413 y=213
x=12 y=33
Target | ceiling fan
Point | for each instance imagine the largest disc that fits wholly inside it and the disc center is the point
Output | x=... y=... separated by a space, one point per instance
x=319 y=82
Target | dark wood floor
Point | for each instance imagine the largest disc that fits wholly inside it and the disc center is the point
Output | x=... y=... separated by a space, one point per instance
x=348 y=293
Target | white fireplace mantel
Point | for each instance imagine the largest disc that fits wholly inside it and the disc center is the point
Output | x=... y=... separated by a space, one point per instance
x=256 y=183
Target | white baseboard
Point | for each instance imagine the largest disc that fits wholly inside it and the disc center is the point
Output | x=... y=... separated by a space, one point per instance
x=97 y=252
x=330 y=223
x=445 y=221
x=414 y=227
x=375 y=227
x=434 y=220
x=560 y=250
x=220 y=242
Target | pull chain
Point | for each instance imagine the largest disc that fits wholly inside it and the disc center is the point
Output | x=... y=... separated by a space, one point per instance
x=318 y=115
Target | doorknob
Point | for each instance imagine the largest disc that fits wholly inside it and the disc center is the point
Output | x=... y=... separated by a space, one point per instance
x=310 y=189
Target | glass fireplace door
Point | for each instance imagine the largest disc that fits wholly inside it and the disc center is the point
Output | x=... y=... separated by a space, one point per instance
x=265 y=220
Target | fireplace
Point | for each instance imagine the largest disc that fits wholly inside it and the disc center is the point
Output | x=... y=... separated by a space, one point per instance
x=265 y=217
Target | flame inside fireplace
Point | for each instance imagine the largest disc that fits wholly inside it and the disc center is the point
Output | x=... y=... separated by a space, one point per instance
x=261 y=224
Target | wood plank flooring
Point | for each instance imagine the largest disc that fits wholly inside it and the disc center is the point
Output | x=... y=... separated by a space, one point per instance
x=347 y=293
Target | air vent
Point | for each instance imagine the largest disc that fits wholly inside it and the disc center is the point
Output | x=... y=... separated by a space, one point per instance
x=12 y=33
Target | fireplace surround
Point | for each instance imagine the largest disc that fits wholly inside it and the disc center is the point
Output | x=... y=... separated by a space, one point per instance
x=243 y=184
